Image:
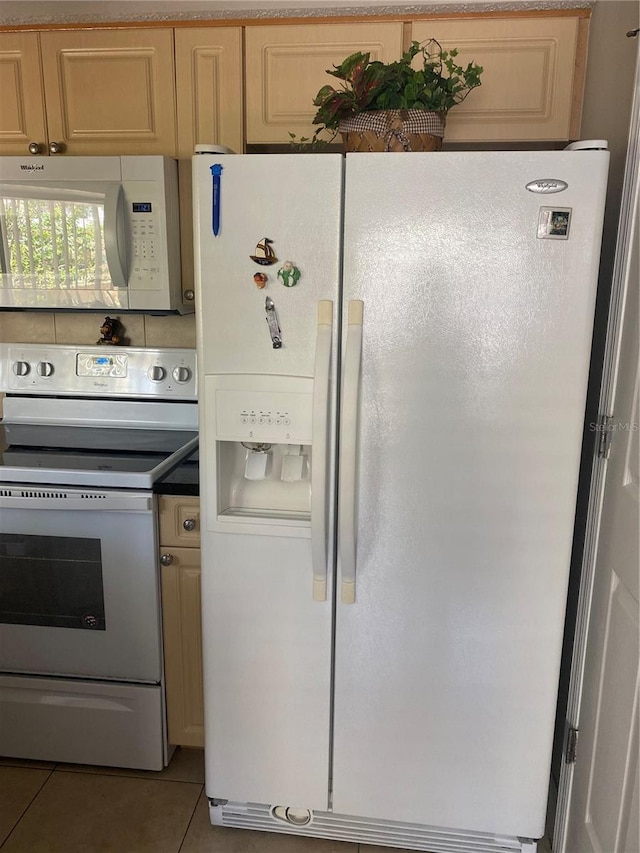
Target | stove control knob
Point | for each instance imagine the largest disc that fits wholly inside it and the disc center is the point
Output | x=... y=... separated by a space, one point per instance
x=156 y=373
x=181 y=374
x=21 y=368
x=45 y=368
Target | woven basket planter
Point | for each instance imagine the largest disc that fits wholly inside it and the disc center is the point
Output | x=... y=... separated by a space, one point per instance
x=393 y=130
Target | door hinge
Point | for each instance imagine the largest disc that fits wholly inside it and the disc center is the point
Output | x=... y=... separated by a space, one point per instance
x=572 y=746
x=605 y=433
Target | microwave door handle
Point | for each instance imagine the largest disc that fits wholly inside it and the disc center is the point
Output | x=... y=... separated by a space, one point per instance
x=114 y=241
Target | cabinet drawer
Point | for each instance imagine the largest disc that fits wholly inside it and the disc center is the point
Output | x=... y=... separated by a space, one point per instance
x=179 y=521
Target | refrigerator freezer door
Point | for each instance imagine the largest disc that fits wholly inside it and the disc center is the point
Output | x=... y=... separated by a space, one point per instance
x=295 y=200
x=475 y=354
x=267 y=574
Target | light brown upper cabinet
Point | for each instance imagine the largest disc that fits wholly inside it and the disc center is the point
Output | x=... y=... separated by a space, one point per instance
x=110 y=91
x=533 y=76
x=22 y=115
x=209 y=87
x=286 y=66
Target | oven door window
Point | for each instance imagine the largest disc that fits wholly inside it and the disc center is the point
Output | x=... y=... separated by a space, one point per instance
x=53 y=581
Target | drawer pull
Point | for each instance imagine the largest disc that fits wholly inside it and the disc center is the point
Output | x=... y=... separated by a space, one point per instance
x=189 y=524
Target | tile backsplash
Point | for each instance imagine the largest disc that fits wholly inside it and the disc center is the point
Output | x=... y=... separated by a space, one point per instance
x=139 y=330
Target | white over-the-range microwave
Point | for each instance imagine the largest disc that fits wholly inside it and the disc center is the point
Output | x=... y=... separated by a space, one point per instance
x=94 y=233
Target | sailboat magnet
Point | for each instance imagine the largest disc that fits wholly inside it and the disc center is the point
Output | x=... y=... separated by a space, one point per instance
x=265 y=256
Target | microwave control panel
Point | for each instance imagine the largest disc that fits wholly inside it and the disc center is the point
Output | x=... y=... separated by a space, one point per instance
x=147 y=234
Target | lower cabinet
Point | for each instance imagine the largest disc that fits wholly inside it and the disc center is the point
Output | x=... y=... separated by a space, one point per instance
x=180 y=577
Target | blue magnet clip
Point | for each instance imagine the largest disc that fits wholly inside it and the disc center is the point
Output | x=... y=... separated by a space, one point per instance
x=216 y=173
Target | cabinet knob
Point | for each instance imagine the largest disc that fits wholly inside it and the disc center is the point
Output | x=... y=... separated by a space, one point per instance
x=189 y=524
x=189 y=295
x=166 y=559
x=56 y=148
x=35 y=148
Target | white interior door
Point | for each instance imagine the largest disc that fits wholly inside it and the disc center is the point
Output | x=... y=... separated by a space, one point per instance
x=603 y=806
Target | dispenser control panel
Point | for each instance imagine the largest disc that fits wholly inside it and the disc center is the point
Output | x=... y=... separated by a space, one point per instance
x=259 y=416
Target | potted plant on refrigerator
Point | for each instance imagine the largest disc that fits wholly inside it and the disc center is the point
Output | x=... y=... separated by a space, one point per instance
x=395 y=106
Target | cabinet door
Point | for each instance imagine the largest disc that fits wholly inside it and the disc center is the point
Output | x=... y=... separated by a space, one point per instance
x=110 y=91
x=22 y=117
x=179 y=521
x=286 y=66
x=532 y=81
x=183 y=646
x=209 y=82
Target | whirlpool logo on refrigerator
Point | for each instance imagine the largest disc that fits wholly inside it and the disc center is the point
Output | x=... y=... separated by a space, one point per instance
x=547 y=185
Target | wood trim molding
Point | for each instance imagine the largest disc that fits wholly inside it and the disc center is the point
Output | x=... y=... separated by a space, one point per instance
x=579 y=80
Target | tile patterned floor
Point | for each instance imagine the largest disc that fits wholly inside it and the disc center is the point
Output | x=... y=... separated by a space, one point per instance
x=73 y=808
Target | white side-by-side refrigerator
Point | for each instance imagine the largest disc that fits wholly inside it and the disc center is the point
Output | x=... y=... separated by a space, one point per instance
x=393 y=360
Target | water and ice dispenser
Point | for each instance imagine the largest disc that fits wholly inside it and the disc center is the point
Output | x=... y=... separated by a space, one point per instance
x=263 y=433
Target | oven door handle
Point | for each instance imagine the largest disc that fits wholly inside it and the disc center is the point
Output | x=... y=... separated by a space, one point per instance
x=63 y=499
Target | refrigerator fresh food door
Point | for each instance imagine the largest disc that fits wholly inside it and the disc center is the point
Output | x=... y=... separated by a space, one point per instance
x=267 y=362
x=457 y=506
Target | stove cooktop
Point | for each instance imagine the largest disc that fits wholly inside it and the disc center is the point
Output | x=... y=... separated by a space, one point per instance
x=65 y=455
x=91 y=416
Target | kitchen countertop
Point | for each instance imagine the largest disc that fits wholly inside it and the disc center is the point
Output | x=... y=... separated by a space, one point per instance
x=182 y=480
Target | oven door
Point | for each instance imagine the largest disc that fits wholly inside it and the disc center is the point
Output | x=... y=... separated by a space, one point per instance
x=79 y=587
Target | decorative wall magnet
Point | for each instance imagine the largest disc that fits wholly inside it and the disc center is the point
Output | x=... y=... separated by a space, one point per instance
x=216 y=177
x=264 y=255
x=289 y=274
x=260 y=280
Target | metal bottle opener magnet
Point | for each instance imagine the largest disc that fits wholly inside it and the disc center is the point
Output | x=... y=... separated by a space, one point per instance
x=272 y=320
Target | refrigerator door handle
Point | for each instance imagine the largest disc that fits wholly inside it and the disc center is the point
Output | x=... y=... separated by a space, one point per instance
x=319 y=449
x=348 y=451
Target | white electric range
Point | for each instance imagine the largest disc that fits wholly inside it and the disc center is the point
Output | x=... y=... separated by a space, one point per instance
x=87 y=434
